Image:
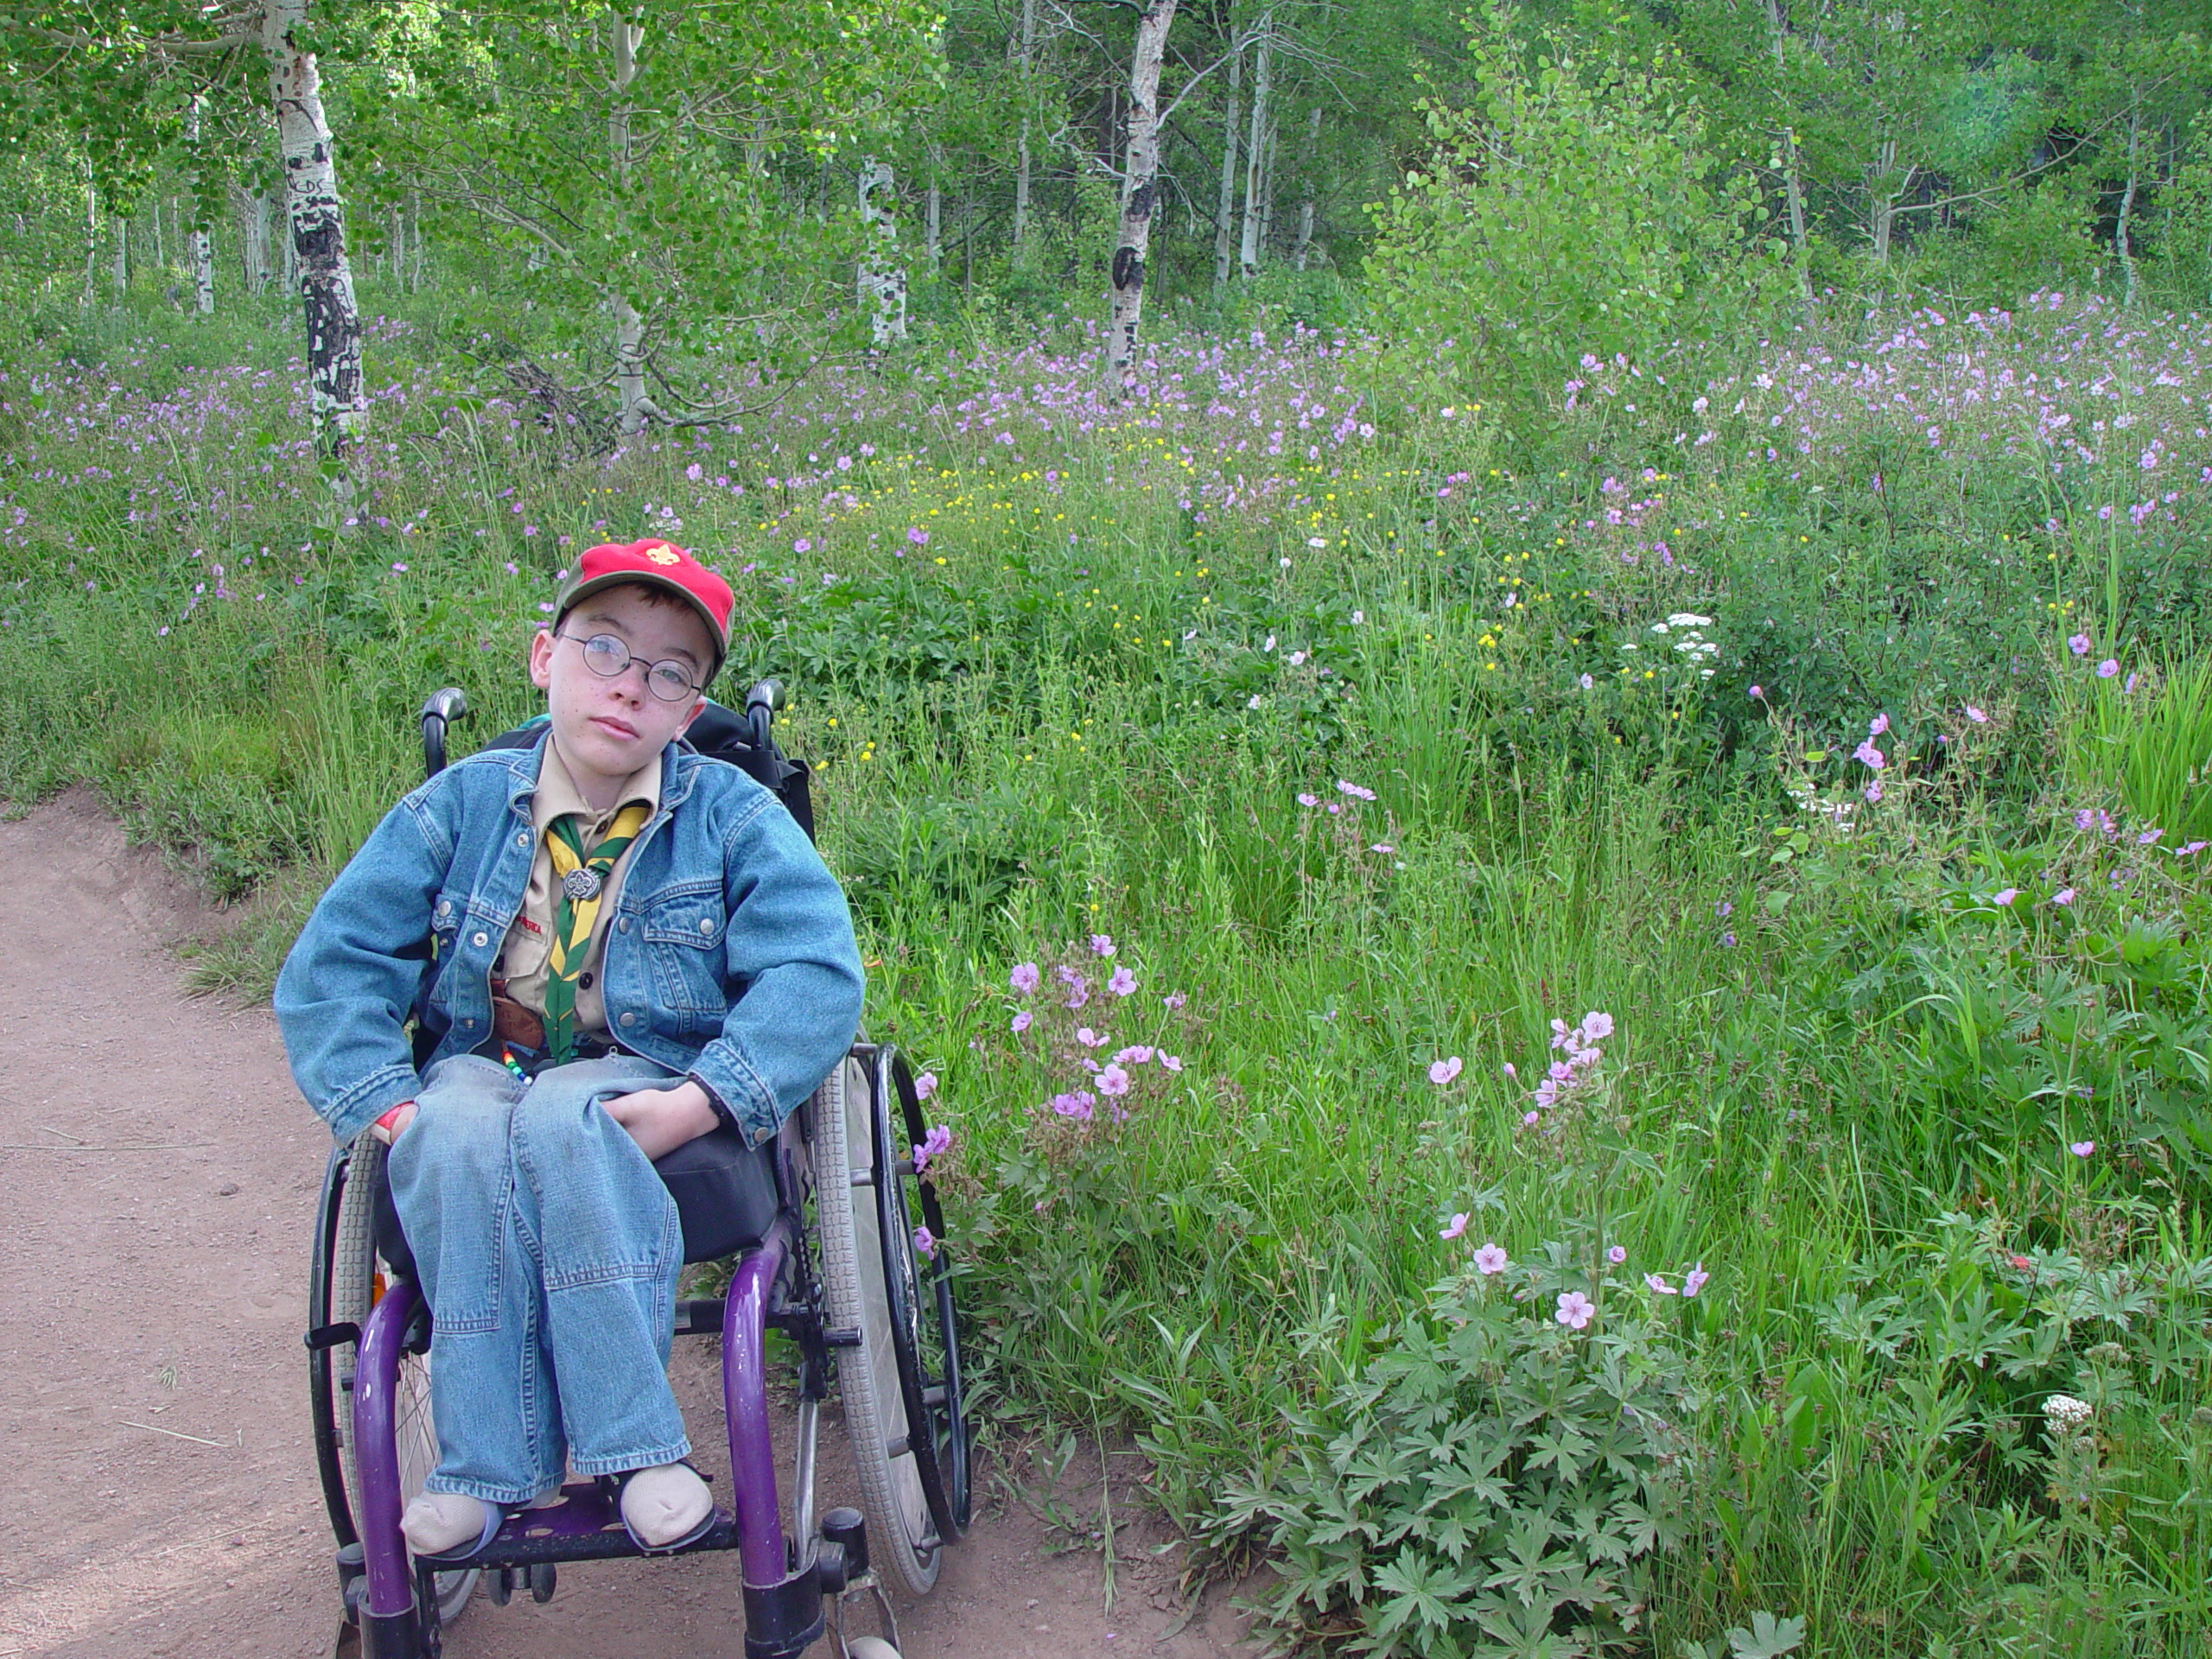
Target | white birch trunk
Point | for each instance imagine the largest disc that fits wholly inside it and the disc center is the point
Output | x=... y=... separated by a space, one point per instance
x=1255 y=145
x=1225 y=208
x=201 y=244
x=161 y=252
x=933 y=222
x=1268 y=189
x=629 y=327
x=1028 y=60
x=1793 y=181
x=1140 y=179
x=396 y=250
x=122 y=272
x=1883 y=212
x=203 y=273
x=258 y=208
x=1305 y=204
x=881 y=281
x=316 y=246
x=2122 y=239
x=415 y=242
x=91 y=237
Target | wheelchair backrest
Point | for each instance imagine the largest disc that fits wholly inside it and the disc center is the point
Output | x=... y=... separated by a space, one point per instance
x=744 y=740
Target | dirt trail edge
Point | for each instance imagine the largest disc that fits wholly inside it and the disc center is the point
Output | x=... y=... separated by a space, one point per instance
x=158 y=1176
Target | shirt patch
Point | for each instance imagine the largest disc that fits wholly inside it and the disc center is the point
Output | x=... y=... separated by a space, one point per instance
x=525 y=921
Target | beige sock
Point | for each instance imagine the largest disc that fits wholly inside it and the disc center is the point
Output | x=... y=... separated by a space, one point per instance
x=663 y=1503
x=437 y=1521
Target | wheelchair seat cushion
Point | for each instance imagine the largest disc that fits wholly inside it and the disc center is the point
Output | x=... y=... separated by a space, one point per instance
x=725 y=1194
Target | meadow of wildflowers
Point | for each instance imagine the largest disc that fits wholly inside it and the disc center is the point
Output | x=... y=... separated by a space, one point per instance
x=1692 y=908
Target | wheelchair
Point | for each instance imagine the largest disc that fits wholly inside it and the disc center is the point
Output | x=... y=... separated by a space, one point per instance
x=823 y=1223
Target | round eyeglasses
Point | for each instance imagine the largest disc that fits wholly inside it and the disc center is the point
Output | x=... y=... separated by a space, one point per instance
x=608 y=658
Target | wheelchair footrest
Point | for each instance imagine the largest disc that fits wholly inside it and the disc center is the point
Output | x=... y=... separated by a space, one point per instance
x=585 y=1526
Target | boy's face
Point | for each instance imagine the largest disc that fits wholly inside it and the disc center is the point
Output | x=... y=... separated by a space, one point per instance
x=608 y=728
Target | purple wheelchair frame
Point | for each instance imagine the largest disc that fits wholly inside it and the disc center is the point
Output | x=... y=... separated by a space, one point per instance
x=784 y=1589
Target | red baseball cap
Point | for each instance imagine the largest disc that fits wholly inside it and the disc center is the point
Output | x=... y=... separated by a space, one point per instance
x=655 y=563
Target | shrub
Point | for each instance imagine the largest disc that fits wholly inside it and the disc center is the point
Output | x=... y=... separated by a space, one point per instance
x=1498 y=1481
x=1570 y=209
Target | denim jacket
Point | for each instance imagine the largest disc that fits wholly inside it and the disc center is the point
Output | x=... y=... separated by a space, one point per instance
x=730 y=957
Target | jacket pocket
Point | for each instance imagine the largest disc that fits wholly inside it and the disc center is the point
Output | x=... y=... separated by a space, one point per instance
x=682 y=929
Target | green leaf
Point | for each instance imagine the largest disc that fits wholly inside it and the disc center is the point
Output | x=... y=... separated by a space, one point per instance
x=1768 y=1638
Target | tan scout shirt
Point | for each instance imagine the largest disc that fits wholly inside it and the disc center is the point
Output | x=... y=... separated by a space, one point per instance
x=529 y=943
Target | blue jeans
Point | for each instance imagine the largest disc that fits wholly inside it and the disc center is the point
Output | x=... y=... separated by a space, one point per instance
x=549 y=1250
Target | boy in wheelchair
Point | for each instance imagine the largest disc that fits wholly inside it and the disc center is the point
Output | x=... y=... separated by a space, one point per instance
x=610 y=947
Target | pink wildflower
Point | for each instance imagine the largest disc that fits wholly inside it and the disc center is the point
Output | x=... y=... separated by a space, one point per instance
x=1442 y=1071
x=1575 y=1310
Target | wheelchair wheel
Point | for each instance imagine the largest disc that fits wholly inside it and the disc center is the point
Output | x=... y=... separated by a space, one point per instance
x=349 y=1279
x=900 y=1387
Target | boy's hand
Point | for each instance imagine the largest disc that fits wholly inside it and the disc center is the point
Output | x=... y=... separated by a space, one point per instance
x=661 y=1119
x=387 y=1128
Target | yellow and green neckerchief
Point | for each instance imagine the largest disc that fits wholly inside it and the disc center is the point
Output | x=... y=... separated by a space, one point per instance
x=583 y=879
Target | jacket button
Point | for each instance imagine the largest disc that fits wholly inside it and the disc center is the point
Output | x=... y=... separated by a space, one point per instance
x=623 y=925
x=469 y=1024
x=706 y=925
x=629 y=1019
x=523 y=839
x=481 y=940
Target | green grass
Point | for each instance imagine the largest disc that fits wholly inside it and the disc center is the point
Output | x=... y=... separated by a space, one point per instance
x=1843 y=1073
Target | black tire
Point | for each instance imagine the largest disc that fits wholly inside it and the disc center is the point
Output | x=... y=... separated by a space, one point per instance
x=904 y=1540
x=924 y=1323
x=348 y=1279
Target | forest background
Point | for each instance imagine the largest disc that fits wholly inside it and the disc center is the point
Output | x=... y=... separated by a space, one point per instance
x=1514 y=702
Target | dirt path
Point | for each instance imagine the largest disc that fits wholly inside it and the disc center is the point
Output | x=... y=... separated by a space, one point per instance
x=157 y=1179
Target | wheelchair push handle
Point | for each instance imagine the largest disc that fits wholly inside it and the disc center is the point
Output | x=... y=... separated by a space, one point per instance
x=762 y=703
x=445 y=708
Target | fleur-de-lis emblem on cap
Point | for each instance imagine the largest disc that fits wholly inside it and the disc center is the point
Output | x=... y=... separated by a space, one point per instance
x=664 y=555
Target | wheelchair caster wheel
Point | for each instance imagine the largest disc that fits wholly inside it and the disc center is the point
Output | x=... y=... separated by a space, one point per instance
x=870 y=1647
x=503 y=1586
x=543 y=1578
